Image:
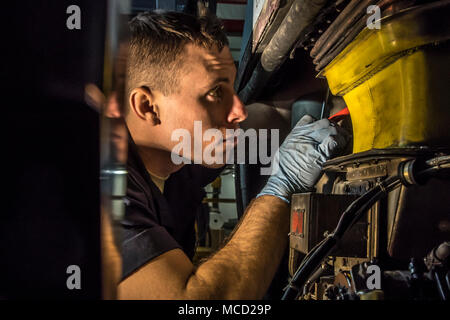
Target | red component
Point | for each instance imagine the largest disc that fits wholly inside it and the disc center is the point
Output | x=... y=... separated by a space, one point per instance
x=294 y=222
x=340 y=114
x=297 y=222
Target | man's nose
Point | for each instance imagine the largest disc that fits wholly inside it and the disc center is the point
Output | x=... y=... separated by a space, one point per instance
x=238 y=113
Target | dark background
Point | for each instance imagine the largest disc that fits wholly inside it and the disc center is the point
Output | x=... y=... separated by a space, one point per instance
x=50 y=213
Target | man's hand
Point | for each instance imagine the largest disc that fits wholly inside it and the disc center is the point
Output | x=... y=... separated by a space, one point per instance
x=301 y=156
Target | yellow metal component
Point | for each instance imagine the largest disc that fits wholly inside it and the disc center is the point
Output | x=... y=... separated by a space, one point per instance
x=217 y=183
x=372 y=295
x=395 y=80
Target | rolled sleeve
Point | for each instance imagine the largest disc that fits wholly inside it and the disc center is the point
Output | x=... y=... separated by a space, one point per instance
x=141 y=246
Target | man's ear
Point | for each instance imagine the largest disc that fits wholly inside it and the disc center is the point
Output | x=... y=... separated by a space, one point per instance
x=142 y=103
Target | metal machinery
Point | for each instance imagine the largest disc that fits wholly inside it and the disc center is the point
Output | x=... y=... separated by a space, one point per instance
x=378 y=224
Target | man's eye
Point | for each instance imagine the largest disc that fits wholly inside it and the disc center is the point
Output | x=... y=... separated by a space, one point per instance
x=215 y=93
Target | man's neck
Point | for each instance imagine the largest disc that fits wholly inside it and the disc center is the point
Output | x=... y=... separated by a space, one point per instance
x=158 y=162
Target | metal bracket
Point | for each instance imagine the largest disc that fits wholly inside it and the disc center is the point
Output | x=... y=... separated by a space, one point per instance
x=374 y=171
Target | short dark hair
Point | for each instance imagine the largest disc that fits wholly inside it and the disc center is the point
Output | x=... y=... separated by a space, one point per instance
x=157 y=41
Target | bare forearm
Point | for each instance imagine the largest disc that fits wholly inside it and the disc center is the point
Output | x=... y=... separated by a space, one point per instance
x=242 y=269
x=245 y=266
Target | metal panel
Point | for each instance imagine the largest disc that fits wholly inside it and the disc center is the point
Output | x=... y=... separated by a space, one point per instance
x=313 y=215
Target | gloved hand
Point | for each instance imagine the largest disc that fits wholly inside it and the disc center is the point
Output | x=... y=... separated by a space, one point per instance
x=301 y=156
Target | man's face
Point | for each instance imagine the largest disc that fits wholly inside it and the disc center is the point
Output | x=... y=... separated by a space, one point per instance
x=205 y=94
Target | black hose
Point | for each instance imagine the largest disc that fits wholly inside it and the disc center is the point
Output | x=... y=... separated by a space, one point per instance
x=305 y=270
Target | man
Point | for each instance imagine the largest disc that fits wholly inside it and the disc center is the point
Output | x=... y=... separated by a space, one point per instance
x=181 y=71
